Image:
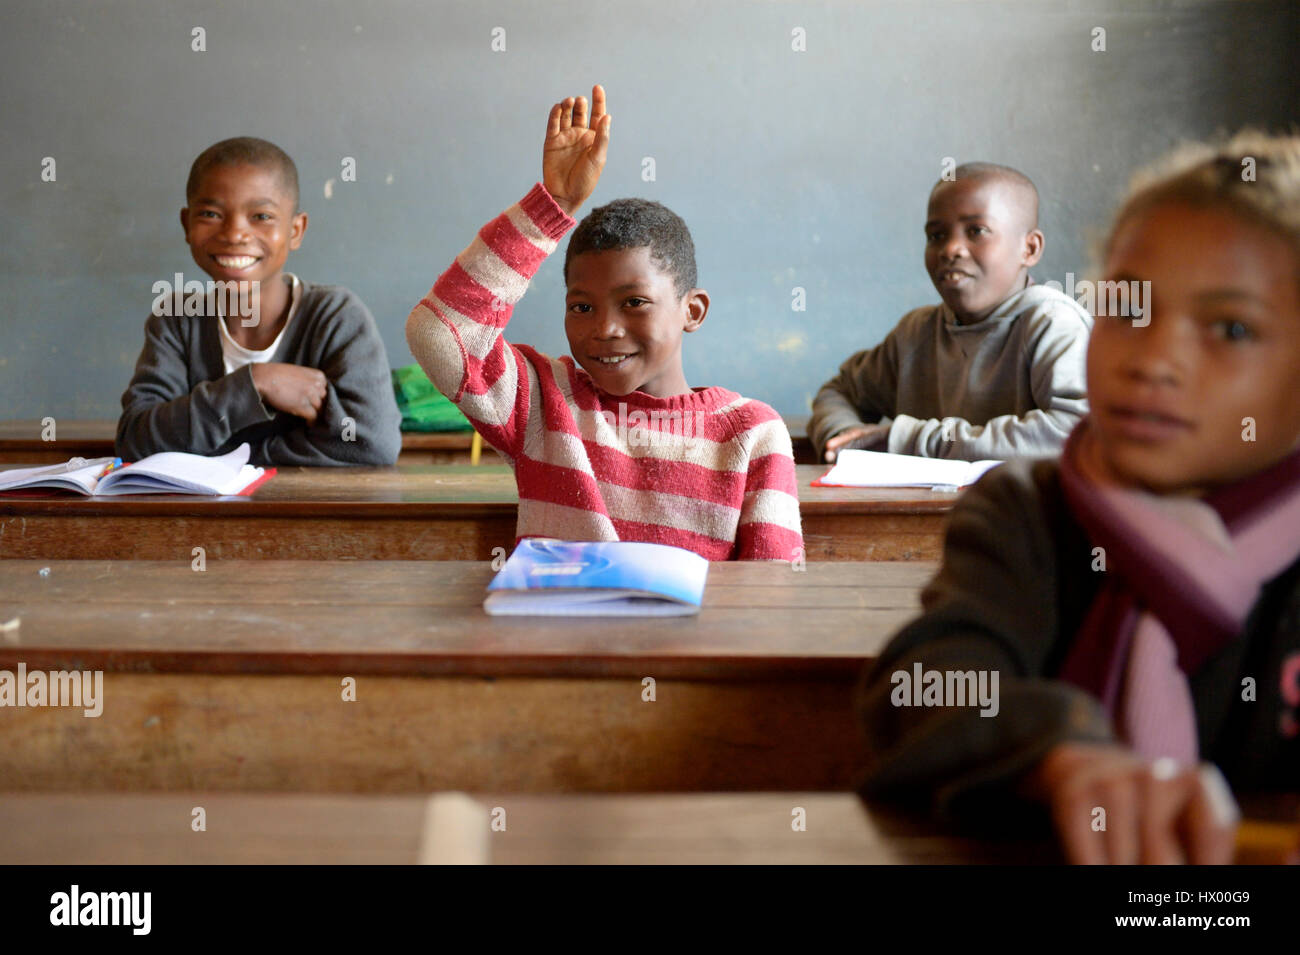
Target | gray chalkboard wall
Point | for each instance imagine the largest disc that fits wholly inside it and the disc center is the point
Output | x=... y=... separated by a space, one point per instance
x=793 y=168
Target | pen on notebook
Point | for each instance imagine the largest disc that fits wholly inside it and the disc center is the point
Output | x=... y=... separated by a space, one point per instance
x=112 y=466
x=77 y=463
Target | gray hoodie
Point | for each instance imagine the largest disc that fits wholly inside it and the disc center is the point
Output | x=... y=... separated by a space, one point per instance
x=1011 y=385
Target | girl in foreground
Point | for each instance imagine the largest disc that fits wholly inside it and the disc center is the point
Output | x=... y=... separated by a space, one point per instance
x=1139 y=598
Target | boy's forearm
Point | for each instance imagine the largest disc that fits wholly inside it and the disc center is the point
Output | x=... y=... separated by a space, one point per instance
x=160 y=412
x=358 y=423
x=333 y=440
x=199 y=422
x=860 y=393
x=1037 y=433
x=832 y=412
x=455 y=333
x=455 y=329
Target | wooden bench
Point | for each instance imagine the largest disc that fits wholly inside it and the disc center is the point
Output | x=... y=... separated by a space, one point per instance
x=411 y=512
x=232 y=678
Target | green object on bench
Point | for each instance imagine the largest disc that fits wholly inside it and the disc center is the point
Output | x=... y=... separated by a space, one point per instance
x=423 y=406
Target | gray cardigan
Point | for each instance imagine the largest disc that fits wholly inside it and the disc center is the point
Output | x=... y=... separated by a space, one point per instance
x=1009 y=386
x=181 y=399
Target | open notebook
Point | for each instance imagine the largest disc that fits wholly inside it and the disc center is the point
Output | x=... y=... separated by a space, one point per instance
x=598 y=579
x=877 y=469
x=170 y=472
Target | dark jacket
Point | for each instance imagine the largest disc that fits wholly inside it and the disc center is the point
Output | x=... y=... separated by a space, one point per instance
x=1016 y=582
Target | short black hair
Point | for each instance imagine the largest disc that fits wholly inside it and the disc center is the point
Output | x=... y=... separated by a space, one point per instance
x=636 y=224
x=1024 y=188
x=245 y=150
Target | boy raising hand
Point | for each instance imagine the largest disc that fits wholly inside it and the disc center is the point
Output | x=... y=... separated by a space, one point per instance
x=610 y=443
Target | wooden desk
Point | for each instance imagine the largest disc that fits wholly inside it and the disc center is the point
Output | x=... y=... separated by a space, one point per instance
x=574 y=829
x=231 y=678
x=884 y=523
x=21 y=443
x=409 y=513
x=259 y=829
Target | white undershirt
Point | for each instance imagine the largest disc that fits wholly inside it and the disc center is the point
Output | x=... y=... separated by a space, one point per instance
x=236 y=356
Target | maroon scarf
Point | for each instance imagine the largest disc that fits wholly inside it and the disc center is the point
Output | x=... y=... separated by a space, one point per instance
x=1181 y=577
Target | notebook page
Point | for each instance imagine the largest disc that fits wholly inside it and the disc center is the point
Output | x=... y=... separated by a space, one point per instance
x=82 y=477
x=175 y=470
x=855 y=468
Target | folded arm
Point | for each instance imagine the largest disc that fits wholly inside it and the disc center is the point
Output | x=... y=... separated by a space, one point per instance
x=160 y=412
x=358 y=422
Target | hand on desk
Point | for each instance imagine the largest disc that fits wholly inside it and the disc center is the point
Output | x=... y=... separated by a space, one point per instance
x=867 y=437
x=291 y=388
x=1155 y=813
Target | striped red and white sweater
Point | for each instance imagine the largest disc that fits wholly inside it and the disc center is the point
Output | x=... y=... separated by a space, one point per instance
x=707 y=470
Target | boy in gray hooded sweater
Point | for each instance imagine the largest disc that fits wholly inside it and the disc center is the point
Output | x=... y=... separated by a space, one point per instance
x=994 y=371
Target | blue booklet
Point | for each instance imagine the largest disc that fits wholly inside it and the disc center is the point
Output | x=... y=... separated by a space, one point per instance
x=598 y=579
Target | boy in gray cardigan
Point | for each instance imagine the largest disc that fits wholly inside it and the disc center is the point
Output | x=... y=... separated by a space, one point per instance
x=297 y=370
x=996 y=370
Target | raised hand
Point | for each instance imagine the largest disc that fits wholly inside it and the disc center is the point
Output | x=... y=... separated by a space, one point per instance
x=574 y=153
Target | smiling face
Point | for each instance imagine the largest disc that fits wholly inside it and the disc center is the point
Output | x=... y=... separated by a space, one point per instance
x=240 y=224
x=1168 y=400
x=624 y=320
x=979 y=244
